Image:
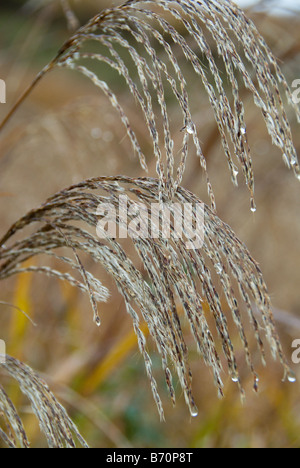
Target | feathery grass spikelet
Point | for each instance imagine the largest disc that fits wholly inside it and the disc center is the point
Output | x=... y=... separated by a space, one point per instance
x=176 y=277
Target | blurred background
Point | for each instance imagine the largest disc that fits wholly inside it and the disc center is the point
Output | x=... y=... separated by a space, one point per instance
x=66 y=132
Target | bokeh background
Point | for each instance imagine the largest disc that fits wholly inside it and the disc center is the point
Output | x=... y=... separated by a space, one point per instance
x=66 y=132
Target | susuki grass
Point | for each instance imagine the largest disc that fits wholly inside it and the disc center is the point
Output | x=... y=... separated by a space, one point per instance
x=147 y=28
x=54 y=422
x=172 y=273
x=151 y=45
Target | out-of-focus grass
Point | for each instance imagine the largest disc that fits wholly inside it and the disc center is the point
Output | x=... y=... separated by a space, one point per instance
x=100 y=374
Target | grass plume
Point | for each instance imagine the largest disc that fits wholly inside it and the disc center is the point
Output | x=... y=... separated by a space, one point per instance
x=176 y=278
x=54 y=422
x=142 y=28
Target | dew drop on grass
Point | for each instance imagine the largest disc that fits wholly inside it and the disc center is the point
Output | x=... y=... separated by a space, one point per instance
x=294 y=160
x=256 y=382
x=190 y=128
x=291 y=376
x=97 y=321
x=194 y=411
x=235 y=172
x=253 y=205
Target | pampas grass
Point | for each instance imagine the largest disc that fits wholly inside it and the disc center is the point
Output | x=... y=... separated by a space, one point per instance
x=54 y=422
x=172 y=274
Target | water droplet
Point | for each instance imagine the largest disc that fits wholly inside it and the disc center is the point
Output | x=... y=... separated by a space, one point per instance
x=294 y=160
x=218 y=268
x=235 y=173
x=256 y=381
x=235 y=379
x=243 y=130
x=291 y=376
x=253 y=205
x=97 y=321
x=190 y=128
x=194 y=411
